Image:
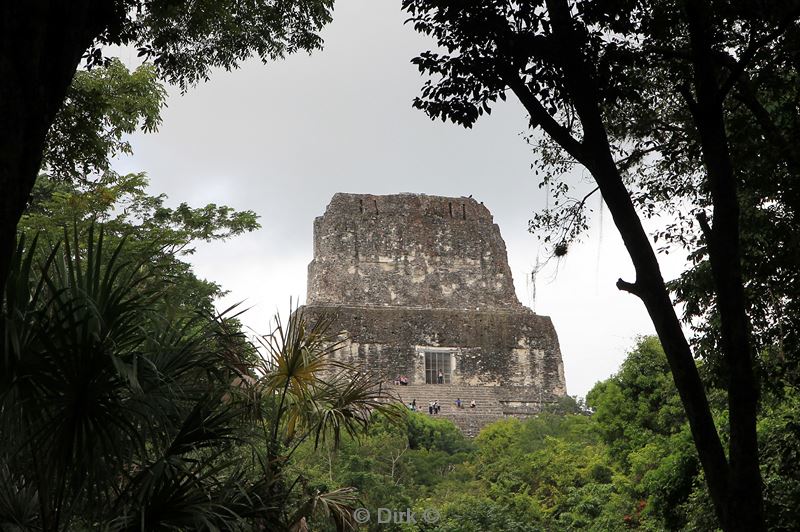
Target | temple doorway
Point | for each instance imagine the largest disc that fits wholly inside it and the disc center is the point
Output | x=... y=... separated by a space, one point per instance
x=436 y=361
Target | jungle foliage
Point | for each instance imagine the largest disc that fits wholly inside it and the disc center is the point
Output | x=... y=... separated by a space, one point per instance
x=624 y=462
x=127 y=402
x=118 y=416
x=682 y=112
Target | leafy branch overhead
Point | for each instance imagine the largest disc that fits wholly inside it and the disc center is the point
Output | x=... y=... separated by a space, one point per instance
x=102 y=107
x=154 y=231
x=636 y=54
x=186 y=40
x=45 y=42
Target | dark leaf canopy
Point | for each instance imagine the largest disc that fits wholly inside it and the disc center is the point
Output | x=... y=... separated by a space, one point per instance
x=638 y=59
x=186 y=39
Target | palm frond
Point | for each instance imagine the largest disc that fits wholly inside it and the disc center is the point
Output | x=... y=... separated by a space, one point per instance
x=191 y=484
x=19 y=502
x=336 y=505
x=345 y=403
x=94 y=382
x=299 y=352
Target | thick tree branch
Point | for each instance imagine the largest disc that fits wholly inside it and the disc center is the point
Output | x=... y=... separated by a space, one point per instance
x=540 y=117
x=649 y=281
x=746 y=94
x=702 y=219
x=33 y=85
x=631 y=288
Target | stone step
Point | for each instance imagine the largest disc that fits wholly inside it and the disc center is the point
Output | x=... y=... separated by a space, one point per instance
x=471 y=412
x=442 y=395
x=469 y=420
x=487 y=404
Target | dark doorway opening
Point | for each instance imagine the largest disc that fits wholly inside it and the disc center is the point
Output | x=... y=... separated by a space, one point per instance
x=436 y=361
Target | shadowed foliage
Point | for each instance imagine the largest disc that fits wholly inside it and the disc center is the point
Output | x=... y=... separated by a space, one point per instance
x=117 y=418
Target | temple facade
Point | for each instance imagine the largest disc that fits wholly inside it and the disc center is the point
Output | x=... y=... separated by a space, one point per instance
x=421 y=288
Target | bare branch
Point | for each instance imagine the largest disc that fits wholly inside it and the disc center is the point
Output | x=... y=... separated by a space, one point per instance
x=541 y=118
x=705 y=227
x=632 y=288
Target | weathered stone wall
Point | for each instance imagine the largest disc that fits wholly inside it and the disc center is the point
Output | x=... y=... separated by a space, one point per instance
x=406 y=274
x=409 y=250
x=490 y=348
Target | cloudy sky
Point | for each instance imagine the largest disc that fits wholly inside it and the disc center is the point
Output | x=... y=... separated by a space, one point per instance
x=281 y=139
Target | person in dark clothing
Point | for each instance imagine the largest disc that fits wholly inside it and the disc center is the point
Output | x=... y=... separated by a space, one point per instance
x=440 y=377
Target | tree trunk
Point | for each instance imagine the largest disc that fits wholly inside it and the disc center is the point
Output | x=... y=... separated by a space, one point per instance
x=745 y=507
x=735 y=489
x=41 y=45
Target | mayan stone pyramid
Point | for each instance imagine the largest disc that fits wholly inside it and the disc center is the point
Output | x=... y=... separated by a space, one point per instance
x=422 y=288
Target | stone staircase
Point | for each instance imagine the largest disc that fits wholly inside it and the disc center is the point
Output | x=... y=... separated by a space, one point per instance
x=470 y=420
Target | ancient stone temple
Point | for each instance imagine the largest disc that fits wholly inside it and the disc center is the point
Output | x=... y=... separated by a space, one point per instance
x=422 y=287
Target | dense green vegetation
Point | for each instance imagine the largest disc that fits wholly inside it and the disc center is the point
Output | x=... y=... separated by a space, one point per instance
x=118 y=413
x=625 y=463
x=127 y=402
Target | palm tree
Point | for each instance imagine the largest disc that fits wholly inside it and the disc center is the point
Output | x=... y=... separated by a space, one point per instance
x=113 y=417
x=304 y=394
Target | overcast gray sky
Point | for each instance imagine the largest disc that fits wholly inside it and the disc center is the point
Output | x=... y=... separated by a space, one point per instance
x=281 y=139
